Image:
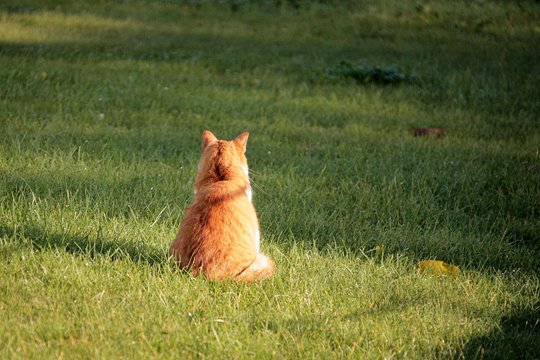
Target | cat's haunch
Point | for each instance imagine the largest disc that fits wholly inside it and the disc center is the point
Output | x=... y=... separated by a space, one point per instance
x=219 y=236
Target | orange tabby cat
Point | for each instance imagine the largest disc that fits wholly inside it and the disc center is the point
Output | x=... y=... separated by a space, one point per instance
x=219 y=236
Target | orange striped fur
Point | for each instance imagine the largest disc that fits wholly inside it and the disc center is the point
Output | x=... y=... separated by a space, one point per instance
x=219 y=236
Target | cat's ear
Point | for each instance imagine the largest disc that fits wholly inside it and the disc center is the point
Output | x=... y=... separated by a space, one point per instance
x=241 y=140
x=207 y=138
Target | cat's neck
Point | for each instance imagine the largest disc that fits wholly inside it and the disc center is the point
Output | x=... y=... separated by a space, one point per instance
x=223 y=190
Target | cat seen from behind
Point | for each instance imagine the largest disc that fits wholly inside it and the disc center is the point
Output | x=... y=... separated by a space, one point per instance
x=219 y=236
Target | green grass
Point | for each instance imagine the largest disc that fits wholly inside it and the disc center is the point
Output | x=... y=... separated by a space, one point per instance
x=102 y=105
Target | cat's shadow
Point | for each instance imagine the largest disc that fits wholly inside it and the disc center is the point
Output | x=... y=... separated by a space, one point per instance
x=88 y=245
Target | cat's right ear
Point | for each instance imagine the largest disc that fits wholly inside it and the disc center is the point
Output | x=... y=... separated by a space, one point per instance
x=242 y=140
x=207 y=138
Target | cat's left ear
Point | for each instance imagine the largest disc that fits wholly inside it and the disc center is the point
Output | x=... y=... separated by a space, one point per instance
x=241 y=140
x=207 y=138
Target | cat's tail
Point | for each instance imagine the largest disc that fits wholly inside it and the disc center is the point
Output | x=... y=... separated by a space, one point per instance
x=261 y=268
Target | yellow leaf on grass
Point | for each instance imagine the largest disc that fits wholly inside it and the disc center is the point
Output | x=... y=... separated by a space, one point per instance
x=438 y=267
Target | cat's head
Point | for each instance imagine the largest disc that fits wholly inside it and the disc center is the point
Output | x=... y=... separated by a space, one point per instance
x=222 y=160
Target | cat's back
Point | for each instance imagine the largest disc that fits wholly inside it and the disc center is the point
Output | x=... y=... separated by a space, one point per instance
x=220 y=228
x=227 y=213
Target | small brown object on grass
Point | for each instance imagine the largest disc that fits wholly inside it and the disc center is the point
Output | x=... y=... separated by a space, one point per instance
x=435 y=131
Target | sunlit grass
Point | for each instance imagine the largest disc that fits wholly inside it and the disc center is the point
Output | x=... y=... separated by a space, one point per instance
x=101 y=110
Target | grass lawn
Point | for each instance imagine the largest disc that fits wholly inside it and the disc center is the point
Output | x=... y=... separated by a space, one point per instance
x=102 y=105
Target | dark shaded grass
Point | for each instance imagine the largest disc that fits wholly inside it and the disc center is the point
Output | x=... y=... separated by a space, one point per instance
x=91 y=246
x=517 y=337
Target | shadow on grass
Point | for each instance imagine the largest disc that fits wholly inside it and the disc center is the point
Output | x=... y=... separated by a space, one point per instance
x=87 y=245
x=518 y=337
